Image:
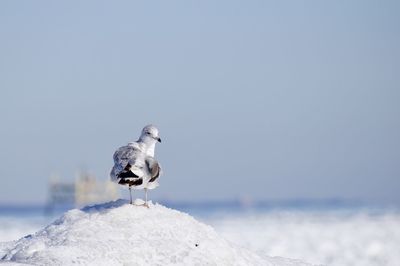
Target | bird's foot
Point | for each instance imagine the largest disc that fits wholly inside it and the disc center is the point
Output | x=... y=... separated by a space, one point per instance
x=140 y=202
x=145 y=205
x=142 y=205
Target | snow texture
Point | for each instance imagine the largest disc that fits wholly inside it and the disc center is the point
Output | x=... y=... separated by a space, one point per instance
x=335 y=238
x=118 y=233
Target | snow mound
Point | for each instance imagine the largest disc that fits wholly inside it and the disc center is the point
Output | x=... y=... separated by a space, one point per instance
x=118 y=233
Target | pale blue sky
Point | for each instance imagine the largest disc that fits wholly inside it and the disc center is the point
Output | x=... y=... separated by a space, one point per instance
x=266 y=99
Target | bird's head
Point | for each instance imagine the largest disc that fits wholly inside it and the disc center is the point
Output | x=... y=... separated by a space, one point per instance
x=150 y=132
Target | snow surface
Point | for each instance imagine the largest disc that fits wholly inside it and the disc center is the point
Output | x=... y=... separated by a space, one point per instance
x=12 y=227
x=335 y=238
x=118 y=233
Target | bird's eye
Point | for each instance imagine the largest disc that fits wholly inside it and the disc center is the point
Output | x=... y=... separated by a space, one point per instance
x=148 y=133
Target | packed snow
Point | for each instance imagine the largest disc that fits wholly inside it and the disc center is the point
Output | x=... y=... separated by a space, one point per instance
x=118 y=233
x=334 y=238
x=14 y=227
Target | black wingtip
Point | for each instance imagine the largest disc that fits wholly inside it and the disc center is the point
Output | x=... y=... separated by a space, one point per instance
x=126 y=174
x=130 y=182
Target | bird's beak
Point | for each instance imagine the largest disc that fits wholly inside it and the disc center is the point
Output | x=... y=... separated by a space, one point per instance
x=159 y=139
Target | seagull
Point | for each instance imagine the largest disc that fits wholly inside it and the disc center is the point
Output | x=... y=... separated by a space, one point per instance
x=135 y=165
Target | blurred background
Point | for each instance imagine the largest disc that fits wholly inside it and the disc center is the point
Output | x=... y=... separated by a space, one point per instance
x=279 y=119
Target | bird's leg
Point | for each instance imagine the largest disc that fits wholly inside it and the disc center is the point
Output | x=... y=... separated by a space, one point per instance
x=145 y=196
x=130 y=194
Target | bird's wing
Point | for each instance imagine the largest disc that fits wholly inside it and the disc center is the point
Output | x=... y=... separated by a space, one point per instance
x=153 y=168
x=124 y=156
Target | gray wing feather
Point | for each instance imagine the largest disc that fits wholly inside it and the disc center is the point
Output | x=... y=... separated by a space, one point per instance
x=123 y=156
x=154 y=168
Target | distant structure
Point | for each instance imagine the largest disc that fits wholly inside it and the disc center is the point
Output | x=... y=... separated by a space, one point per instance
x=86 y=189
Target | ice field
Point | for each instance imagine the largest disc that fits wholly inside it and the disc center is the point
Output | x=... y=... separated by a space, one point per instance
x=339 y=238
x=329 y=237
